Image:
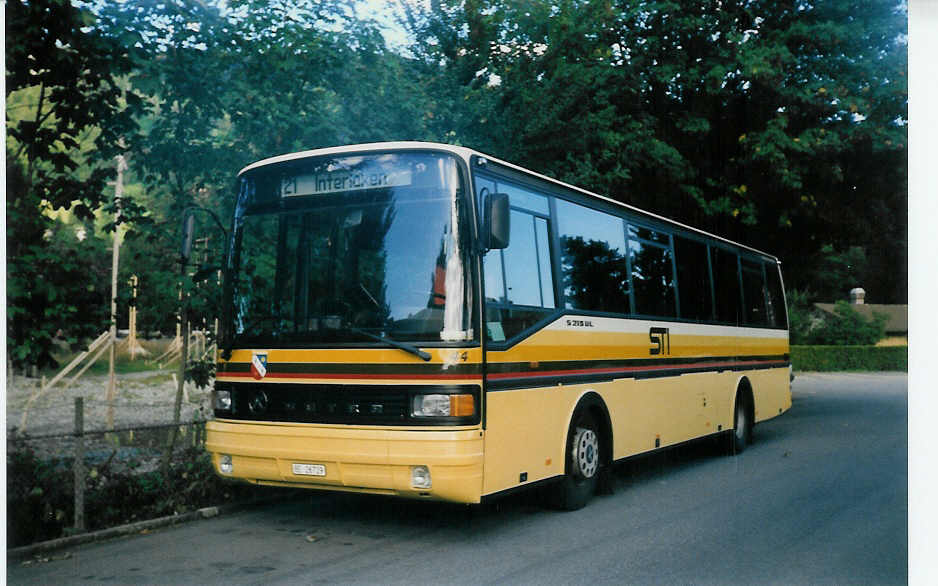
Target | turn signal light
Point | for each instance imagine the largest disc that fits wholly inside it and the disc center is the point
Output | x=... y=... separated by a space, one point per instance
x=462 y=405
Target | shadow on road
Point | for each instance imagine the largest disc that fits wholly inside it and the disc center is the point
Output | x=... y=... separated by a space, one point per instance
x=376 y=514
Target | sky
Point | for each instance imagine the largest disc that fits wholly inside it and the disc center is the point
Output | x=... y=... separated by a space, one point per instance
x=383 y=12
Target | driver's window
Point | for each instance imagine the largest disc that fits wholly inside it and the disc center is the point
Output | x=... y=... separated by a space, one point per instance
x=519 y=285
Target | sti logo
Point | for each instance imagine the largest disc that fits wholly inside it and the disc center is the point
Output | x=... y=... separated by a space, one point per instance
x=259 y=366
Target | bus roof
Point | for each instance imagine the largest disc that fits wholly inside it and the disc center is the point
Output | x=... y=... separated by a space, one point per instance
x=465 y=153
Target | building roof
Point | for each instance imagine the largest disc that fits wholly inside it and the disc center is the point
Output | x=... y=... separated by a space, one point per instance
x=897 y=316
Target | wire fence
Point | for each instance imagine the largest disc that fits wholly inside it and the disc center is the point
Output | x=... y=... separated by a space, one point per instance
x=53 y=475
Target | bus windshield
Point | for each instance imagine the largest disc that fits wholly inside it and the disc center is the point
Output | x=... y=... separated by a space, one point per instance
x=349 y=249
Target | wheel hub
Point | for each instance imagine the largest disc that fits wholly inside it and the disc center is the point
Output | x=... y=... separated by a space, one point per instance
x=585 y=453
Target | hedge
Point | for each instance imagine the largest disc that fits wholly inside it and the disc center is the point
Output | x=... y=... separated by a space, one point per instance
x=40 y=497
x=833 y=358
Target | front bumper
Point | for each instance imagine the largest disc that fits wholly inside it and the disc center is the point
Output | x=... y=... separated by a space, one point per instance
x=356 y=459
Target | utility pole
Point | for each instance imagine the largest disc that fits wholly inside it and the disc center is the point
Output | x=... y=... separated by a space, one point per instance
x=115 y=258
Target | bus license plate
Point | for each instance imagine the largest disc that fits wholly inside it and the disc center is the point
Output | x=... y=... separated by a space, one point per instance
x=309 y=469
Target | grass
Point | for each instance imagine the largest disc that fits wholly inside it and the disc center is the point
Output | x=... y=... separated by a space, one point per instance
x=894 y=341
x=156 y=379
x=124 y=365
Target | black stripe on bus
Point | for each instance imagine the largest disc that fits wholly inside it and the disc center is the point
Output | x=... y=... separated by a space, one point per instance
x=534 y=380
x=488 y=498
x=535 y=366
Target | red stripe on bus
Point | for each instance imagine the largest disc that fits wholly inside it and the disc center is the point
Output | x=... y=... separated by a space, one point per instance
x=353 y=375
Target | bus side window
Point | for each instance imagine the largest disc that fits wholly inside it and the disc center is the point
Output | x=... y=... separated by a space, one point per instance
x=592 y=251
x=693 y=278
x=775 y=298
x=726 y=284
x=652 y=272
x=522 y=259
x=754 y=313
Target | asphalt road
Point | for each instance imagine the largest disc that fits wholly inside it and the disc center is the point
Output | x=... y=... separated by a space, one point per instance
x=819 y=498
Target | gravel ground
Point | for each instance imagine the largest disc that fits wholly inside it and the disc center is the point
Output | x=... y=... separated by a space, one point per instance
x=141 y=399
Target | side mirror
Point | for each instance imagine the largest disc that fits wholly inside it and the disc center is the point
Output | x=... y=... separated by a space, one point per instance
x=188 y=229
x=497 y=221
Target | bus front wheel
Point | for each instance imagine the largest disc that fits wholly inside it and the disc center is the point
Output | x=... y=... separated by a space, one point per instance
x=583 y=460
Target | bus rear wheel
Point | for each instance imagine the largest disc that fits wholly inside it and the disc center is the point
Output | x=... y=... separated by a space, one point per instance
x=742 y=425
x=582 y=468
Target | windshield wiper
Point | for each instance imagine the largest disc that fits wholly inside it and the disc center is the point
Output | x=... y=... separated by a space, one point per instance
x=394 y=343
x=409 y=348
x=230 y=342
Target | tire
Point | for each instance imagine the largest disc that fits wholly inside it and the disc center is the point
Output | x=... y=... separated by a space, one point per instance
x=742 y=425
x=583 y=465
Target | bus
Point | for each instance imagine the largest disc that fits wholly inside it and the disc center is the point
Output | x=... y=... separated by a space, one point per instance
x=427 y=321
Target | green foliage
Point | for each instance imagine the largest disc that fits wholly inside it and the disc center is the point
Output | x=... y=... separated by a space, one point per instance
x=47 y=43
x=60 y=135
x=840 y=271
x=847 y=327
x=800 y=319
x=201 y=372
x=750 y=114
x=40 y=500
x=845 y=358
x=809 y=325
x=55 y=281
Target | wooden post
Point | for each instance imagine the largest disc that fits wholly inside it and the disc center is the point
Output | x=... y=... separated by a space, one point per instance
x=79 y=464
x=132 y=319
x=177 y=406
x=178 y=340
x=115 y=261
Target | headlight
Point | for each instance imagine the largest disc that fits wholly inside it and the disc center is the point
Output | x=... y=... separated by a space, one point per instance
x=221 y=400
x=438 y=405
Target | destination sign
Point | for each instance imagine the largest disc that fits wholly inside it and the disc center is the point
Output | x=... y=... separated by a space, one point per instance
x=344 y=180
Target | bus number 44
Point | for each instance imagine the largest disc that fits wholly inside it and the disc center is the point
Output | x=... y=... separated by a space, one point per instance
x=661 y=340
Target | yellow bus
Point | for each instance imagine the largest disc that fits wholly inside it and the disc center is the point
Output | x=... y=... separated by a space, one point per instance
x=426 y=321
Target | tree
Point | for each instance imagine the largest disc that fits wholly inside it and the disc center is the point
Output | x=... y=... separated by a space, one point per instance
x=62 y=134
x=46 y=46
x=729 y=117
x=284 y=76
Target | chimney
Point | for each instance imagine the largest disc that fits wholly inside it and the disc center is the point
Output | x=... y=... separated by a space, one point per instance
x=857 y=295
